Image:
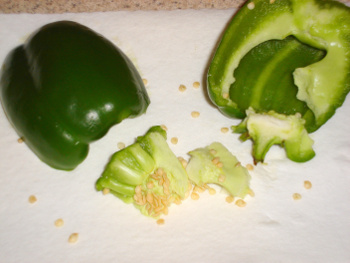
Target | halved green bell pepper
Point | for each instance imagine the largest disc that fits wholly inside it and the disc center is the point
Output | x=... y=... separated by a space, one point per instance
x=65 y=87
x=322 y=83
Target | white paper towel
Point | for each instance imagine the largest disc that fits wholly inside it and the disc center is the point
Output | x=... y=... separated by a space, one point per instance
x=171 y=48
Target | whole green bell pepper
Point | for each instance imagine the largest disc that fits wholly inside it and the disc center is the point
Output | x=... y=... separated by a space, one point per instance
x=322 y=85
x=65 y=87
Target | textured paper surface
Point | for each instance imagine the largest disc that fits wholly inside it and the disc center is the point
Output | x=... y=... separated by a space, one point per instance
x=172 y=48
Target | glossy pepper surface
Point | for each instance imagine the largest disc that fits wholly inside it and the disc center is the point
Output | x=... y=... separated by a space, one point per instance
x=305 y=48
x=65 y=87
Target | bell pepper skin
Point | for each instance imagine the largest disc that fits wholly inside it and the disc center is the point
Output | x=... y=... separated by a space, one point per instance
x=314 y=89
x=65 y=87
x=321 y=24
x=270 y=86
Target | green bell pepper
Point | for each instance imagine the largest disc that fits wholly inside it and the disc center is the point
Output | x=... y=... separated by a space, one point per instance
x=214 y=164
x=65 y=87
x=147 y=174
x=308 y=74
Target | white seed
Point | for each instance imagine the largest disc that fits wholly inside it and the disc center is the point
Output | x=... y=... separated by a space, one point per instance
x=32 y=199
x=196 y=85
x=307 y=185
x=241 y=203
x=224 y=130
x=251 y=5
x=73 y=238
x=59 y=222
x=195 y=114
x=174 y=140
x=296 y=196
x=182 y=88
x=121 y=145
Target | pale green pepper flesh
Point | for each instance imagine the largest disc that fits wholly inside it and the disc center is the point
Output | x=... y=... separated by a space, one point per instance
x=147 y=174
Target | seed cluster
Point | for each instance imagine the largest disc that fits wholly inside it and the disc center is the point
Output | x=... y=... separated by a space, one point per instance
x=156 y=203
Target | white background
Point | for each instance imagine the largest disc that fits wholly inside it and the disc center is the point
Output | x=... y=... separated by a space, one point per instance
x=171 y=48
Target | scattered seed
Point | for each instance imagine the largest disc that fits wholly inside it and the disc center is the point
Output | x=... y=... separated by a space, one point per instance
x=225 y=95
x=194 y=196
x=177 y=201
x=251 y=5
x=212 y=191
x=307 y=185
x=73 y=238
x=224 y=130
x=32 y=199
x=196 y=85
x=20 y=140
x=145 y=81
x=251 y=193
x=272 y=1
x=222 y=178
x=238 y=164
x=165 y=128
x=212 y=151
x=59 y=222
x=219 y=165
x=195 y=114
x=296 y=196
x=198 y=189
x=121 y=145
x=250 y=167
x=241 y=203
x=215 y=160
x=105 y=191
x=160 y=221
x=182 y=88
x=229 y=199
x=174 y=140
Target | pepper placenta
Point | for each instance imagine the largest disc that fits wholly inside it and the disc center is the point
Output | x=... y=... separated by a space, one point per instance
x=65 y=87
x=295 y=59
x=147 y=174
